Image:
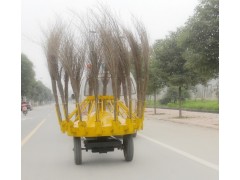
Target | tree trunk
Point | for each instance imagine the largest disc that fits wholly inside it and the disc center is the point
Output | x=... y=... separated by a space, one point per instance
x=66 y=91
x=155 y=101
x=96 y=97
x=203 y=92
x=105 y=84
x=54 y=88
x=129 y=85
x=180 y=101
x=61 y=92
x=115 y=101
x=125 y=95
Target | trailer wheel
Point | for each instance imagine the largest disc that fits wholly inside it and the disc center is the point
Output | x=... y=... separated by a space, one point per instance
x=128 y=147
x=135 y=134
x=77 y=150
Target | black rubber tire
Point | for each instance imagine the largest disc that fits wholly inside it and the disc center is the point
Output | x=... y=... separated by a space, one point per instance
x=77 y=150
x=135 y=134
x=128 y=148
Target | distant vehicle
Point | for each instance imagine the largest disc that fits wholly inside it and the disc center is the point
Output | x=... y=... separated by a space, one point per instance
x=24 y=108
x=29 y=106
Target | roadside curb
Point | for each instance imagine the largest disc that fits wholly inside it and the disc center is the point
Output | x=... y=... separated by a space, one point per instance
x=186 y=123
x=192 y=124
x=192 y=118
x=191 y=110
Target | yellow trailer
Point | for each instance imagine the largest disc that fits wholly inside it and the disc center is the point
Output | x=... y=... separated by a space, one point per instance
x=95 y=124
x=97 y=59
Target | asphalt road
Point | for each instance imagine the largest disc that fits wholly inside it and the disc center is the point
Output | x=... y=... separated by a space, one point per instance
x=162 y=151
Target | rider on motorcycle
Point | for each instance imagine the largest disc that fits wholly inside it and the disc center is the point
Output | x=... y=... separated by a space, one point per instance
x=24 y=106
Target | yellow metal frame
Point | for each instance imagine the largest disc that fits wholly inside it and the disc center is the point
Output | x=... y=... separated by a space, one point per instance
x=82 y=122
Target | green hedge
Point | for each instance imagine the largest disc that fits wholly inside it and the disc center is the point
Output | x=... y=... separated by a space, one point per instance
x=202 y=105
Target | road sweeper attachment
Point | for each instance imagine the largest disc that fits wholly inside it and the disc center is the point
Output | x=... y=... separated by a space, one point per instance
x=100 y=67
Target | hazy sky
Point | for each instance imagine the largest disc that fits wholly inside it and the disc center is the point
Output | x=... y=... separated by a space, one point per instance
x=159 y=17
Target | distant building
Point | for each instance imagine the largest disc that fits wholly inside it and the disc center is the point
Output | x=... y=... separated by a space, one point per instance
x=210 y=91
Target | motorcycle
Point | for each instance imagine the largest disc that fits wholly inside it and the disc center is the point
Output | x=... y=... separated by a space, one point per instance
x=24 y=110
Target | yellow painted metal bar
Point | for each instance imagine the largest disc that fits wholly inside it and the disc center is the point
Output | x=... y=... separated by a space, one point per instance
x=79 y=112
x=107 y=125
x=102 y=105
x=72 y=113
x=91 y=108
x=84 y=105
x=65 y=111
x=122 y=113
x=112 y=107
x=120 y=104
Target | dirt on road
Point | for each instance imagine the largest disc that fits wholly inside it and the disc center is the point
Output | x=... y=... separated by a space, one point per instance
x=209 y=120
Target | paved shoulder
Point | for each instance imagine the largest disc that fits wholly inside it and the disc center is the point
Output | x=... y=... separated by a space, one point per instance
x=210 y=120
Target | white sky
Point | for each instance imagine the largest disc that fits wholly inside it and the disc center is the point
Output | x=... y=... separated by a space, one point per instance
x=159 y=17
x=164 y=20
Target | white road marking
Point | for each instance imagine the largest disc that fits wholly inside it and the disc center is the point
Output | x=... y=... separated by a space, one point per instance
x=32 y=132
x=24 y=119
x=185 y=154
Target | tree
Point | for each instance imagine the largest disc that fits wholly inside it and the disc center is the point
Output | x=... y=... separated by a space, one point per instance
x=155 y=83
x=30 y=88
x=172 y=95
x=40 y=93
x=27 y=76
x=200 y=38
x=172 y=65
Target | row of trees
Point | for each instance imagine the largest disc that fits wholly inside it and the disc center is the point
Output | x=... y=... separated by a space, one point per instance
x=33 y=90
x=190 y=55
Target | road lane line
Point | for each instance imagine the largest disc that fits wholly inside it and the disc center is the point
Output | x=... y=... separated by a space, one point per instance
x=185 y=154
x=24 y=119
x=32 y=132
